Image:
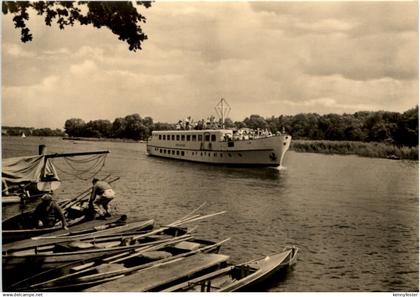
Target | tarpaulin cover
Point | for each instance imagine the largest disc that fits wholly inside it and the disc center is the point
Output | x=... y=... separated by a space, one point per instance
x=26 y=169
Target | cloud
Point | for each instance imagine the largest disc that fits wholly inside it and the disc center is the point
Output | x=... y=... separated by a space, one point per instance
x=268 y=58
x=329 y=103
x=17 y=51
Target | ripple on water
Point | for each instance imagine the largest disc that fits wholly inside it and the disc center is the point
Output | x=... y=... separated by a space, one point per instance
x=355 y=231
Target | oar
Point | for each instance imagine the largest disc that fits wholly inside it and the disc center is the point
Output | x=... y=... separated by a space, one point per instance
x=143 y=249
x=87 y=263
x=192 y=212
x=93 y=230
x=161 y=262
x=151 y=264
x=203 y=217
x=176 y=223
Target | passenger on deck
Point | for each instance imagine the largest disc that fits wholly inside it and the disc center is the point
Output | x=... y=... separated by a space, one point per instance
x=47 y=213
x=100 y=197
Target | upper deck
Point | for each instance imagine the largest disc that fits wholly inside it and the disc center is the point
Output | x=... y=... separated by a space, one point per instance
x=193 y=135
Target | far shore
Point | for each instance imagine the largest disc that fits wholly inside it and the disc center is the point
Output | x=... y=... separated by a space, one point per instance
x=103 y=139
x=364 y=149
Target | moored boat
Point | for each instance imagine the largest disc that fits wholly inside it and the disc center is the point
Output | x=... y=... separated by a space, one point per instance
x=86 y=274
x=21 y=263
x=163 y=274
x=24 y=225
x=28 y=177
x=216 y=145
x=241 y=277
x=63 y=256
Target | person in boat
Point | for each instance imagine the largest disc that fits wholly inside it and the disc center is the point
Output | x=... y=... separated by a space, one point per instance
x=47 y=213
x=102 y=194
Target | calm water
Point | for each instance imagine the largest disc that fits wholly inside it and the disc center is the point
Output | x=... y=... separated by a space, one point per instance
x=355 y=219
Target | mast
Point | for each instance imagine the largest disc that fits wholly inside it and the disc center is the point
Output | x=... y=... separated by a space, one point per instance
x=222 y=109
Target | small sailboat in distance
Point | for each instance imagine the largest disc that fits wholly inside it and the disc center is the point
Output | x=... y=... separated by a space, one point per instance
x=23 y=135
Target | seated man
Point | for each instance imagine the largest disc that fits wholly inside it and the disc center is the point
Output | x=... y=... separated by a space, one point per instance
x=47 y=213
x=102 y=194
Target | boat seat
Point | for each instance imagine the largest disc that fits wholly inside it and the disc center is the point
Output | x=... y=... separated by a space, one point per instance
x=156 y=255
x=186 y=245
x=109 y=267
x=74 y=245
x=109 y=244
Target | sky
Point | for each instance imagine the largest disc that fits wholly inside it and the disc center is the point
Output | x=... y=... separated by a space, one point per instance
x=265 y=58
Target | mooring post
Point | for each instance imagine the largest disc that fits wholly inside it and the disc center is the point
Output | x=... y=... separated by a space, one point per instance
x=42 y=149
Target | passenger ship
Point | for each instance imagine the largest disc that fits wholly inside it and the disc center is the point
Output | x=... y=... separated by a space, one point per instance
x=220 y=146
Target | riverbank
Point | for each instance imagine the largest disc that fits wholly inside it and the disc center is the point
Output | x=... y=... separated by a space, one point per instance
x=102 y=139
x=364 y=149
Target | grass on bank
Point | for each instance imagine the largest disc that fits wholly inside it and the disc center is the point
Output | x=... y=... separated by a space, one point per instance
x=365 y=149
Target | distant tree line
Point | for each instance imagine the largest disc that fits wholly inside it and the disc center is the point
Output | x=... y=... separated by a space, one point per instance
x=380 y=126
x=18 y=131
x=129 y=127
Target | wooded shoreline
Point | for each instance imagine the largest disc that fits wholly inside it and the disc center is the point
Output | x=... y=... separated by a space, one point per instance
x=339 y=147
x=363 y=149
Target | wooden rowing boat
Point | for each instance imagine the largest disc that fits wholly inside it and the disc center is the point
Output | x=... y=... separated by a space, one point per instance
x=86 y=230
x=84 y=274
x=162 y=275
x=19 y=264
x=242 y=277
x=21 y=226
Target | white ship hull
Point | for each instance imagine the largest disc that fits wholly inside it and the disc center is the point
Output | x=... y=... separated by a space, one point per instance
x=259 y=152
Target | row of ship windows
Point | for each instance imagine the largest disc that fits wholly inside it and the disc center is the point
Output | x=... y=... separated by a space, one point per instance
x=182 y=153
x=207 y=137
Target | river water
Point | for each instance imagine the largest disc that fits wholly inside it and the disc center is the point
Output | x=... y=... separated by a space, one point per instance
x=355 y=220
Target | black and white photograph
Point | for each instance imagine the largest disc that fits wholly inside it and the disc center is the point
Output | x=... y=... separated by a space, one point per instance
x=210 y=146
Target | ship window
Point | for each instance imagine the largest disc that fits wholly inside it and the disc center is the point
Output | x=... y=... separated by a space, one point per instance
x=194 y=138
x=182 y=153
x=239 y=154
x=164 y=137
x=221 y=155
x=160 y=151
x=188 y=137
x=164 y=151
x=200 y=137
x=160 y=137
x=230 y=155
x=173 y=137
x=177 y=137
x=182 y=137
x=209 y=154
x=173 y=152
x=213 y=137
x=207 y=137
x=215 y=154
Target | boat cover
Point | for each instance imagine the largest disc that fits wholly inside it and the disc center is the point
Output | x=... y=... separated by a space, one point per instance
x=27 y=169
